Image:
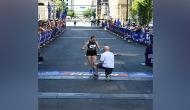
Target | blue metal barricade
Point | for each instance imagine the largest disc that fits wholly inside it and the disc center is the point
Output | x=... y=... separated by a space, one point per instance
x=137 y=36
x=42 y=38
x=45 y=37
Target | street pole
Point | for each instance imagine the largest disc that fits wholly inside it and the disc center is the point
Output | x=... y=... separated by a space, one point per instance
x=127 y=12
x=107 y=11
x=54 y=10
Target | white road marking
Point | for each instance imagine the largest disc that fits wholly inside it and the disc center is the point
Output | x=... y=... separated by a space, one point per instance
x=54 y=95
x=101 y=77
x=119 y=62
x=137 y=76
x=107 y=38
x=127 y=54
x=87 y=29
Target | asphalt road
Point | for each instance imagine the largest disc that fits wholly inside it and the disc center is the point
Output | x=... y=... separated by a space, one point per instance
x=65 y=54
x=74 y=93
x=78 y=94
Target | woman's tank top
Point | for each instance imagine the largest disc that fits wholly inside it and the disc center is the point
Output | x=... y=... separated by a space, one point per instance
x=91 y=46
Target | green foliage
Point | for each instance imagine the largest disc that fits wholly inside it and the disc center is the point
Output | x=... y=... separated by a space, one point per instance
x=93 y=13
x=89 y=12
x=149 y=4
x=71 y=13
x=134 y=10
x=60 y=5
x=144 y=10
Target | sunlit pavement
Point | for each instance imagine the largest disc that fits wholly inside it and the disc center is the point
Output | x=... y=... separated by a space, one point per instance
x=79 y=23
x=64 y=81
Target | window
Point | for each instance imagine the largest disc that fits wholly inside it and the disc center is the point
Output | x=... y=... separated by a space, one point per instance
x=40 y=4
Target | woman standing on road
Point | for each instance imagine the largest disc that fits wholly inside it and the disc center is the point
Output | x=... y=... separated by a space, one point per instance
x=91 y=47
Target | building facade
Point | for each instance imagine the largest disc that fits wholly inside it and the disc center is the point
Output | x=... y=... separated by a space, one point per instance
x=70 y=4
x=94 y=4
x=105 y=9
x=102 y=9
x=81 y=5
x=43 y=9
x=119 y=9
x=98 y=9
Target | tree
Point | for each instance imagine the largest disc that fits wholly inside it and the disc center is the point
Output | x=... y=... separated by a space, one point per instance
x=143 y=9
x=60 y=5
x=89 y=12
x=134 y=10
x=145 y=12
x=149 y=4
x=142 y=13
x=93 y=13
x=71 y=13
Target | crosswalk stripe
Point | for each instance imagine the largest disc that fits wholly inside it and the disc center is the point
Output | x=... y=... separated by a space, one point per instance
x=140 y=76
x=54 y=95
x=100 y=78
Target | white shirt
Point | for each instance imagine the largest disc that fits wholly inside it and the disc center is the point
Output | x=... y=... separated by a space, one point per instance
x=107 y=59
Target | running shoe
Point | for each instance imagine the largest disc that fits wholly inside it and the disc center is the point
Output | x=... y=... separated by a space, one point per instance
x=108 y=77
x=95 y=76
x=91 y=71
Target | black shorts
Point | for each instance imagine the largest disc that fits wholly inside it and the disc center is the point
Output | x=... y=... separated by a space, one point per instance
x=107 y=70
x=91 y=53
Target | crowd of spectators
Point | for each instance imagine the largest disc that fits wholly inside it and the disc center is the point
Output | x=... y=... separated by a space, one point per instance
x=132 y=28
x=144 y=33
x=50 y=28
x=135 y=27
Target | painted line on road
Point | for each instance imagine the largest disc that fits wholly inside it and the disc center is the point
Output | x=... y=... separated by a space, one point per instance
x=87 y=29
x=58 y=73
x=140 y=76
x=128 y=54
x=53 y=95
x=100 y=78
x=119 y=62
x=107 y=38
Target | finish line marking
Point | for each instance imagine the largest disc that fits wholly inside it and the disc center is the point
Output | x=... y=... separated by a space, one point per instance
x=86 y=75
x=53 y=95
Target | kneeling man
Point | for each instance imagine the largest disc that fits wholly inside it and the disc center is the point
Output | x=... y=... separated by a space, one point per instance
x=106 y=63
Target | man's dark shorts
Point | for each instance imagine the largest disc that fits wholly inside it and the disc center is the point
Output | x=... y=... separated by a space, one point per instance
x=107 y=70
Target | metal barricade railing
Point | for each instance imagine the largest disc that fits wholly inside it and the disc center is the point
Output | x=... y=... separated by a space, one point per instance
x=45 y=37
x=137 y=36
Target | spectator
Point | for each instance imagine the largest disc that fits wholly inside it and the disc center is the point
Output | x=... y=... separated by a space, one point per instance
x=149 y=53
x=75 y=22
x=98 y=22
